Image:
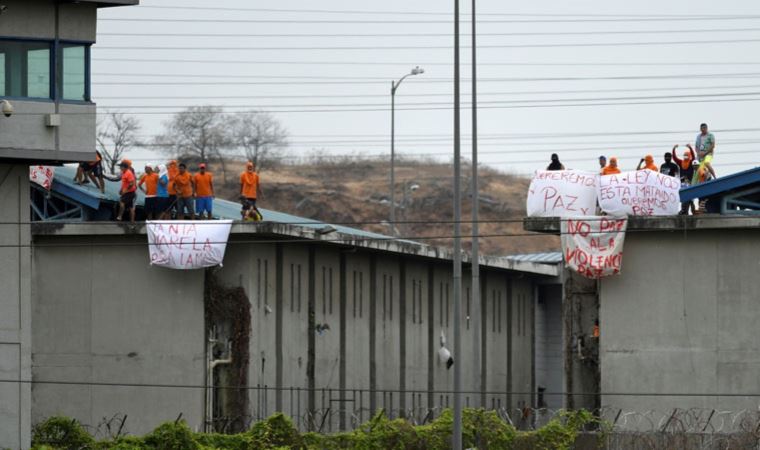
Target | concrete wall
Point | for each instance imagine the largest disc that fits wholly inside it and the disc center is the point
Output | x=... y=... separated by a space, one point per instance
x=384 y=315
x=682 y=318
x=549 y=346
x=25 y=135
x=102 y=315
x=15 y=308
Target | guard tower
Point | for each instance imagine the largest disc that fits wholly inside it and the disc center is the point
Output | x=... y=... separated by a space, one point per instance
x=48 y=117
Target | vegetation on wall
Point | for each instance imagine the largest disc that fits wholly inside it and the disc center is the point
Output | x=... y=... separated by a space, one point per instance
x=230 y=306
x=482 y=429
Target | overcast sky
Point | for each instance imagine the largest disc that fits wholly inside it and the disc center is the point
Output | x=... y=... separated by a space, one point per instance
x=333 y=92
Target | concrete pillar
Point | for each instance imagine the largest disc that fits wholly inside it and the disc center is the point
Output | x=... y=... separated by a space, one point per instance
x=15 y=308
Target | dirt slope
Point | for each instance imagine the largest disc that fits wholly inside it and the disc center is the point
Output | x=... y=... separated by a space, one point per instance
x=356 y=193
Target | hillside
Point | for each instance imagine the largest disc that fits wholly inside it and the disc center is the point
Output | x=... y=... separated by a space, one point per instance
x=355 y=193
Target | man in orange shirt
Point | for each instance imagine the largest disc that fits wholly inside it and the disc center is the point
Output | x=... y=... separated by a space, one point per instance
x=611 y=168
x=647 y=162
x=173 y=171
x=185 y=189
x=150 y=181
x=249 y=189
x=127 y=192
x=204 y=191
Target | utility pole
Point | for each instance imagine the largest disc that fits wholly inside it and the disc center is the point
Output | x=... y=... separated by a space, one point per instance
x=475 y=315
x=456 y=438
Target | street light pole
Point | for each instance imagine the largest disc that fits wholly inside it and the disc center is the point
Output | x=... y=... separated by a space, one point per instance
x=394 y=86
x=476 y=316
x=456 y=440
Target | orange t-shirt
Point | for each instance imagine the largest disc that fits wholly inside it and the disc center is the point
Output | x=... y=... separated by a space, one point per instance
x=203 y=184
x=127 y=179
x=609 y=170
x=183 y=183
x=250 y=183
x=173 y=171
x=151 y=184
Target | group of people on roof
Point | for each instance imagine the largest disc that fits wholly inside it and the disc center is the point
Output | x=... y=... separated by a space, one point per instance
x=694 y=167
x=171 y=191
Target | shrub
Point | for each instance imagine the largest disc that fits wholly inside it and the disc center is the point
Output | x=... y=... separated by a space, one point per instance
x=61 y=433
x=172 y=436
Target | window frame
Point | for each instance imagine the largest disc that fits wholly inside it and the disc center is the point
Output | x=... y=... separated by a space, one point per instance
x=55 y=47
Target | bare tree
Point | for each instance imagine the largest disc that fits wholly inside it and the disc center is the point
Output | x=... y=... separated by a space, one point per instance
x=259 y=135
x=198 y=131
x=116 y=134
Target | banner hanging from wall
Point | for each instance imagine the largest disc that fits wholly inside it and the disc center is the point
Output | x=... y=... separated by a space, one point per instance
x=42 y=175
x=187 y=244
x=562 y=193
x=639 y=193
x=593 y=246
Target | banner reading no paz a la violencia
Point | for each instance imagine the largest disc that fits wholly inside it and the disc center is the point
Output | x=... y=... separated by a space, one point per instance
x=593 y=246
x=187 y=244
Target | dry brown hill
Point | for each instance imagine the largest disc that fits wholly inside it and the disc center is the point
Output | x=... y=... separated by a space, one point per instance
x=356 y=193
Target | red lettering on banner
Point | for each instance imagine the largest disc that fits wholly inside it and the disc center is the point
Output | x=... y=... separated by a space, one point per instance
x=578 y=227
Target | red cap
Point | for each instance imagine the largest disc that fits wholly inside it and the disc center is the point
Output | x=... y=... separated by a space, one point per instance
x=201 y=166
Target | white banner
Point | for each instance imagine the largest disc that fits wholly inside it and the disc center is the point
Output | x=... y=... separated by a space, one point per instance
x=639 y=193
x=187 y=244
x=562 y=193
x=42 y=175
x=593 y=246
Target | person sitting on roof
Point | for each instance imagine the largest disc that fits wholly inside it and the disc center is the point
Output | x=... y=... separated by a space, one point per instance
x=249 y=189
x=93 y=170
x=555 y=164
x=204 y=190
x=611 y=168
x=150 y=180
x=686 y=168
x=127 y=193
x=647 y=162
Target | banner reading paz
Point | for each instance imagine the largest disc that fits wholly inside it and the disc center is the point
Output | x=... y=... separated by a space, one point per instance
x=187 y=244
x=593 y=246
x=562 y=193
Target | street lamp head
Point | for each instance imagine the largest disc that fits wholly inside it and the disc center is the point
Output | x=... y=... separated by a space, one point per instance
x=418 y=71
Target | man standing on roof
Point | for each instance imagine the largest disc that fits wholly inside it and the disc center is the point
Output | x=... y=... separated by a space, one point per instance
x=602 y=163
x=611 y=168
x=204 y=191
x=249 y=190
x=128 y=192
x=162 y=192
x=185 y=189
x=555 y=164
x=669 y=168
x=705 y=145
x=686 y=169
x=150 y=180
x=172 y=171
x=647 y=162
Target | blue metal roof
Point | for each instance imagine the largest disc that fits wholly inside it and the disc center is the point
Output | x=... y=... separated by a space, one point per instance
x=721 y=185
x=543 y=258
x=88 y=195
